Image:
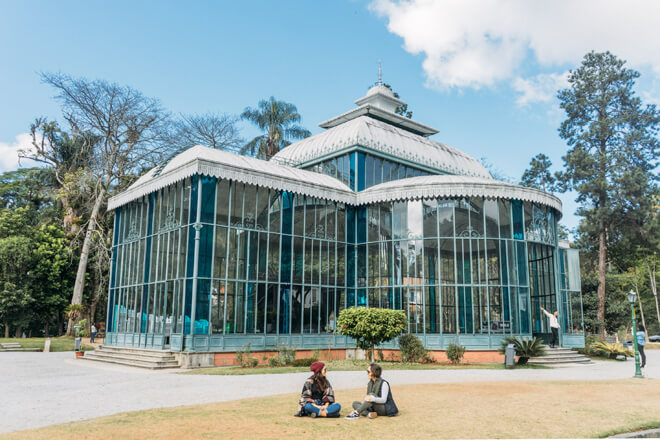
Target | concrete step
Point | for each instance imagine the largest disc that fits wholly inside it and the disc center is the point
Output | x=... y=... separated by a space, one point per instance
x=538 y=361
x=135 y=350
x=131 y=363
x=560 y=358
x=135 y=362
x=21 y=349
x=145 y=355
x=8 y=345
x=131 y=356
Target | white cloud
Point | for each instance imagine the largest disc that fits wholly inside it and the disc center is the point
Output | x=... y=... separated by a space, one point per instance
x=475 y=43
x=540 y=88
x=9 y=153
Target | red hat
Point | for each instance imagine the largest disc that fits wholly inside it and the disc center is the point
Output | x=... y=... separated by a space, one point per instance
x=316 y=367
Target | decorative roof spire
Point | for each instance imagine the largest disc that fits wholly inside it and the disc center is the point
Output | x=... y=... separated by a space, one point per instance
x=380 y=74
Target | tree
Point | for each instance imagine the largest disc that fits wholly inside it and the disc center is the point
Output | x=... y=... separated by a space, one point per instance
x=278 y=120
x=70 y=158
x=15 y=299
x=612 y=155
x=371 y=327
x=538 y=174
x=127 y=128
x=217 y=131
x=51 y=278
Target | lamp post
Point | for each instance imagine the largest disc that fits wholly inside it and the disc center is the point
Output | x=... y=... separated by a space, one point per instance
x=632 y=297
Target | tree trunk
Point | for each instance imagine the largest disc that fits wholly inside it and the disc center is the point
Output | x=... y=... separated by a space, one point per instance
x=641 y=314
x=602 y=265
x=46 y=331
x=19 y=331
x=654 y=286
x=84 y=256
x=6 y=330
x=59 y=324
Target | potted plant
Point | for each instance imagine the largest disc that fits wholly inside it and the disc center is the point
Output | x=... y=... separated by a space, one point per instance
x=81 y=331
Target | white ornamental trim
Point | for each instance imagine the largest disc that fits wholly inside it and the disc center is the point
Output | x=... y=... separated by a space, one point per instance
x=496 y=190
x=226 y=171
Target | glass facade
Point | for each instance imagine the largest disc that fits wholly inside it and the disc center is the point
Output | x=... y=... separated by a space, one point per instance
x=207 y=261
x=371 y=170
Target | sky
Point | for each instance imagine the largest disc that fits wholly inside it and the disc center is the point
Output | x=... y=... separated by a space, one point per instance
x=483 y=72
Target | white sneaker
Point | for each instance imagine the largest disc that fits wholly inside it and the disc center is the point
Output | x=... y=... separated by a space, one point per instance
x=352 y=416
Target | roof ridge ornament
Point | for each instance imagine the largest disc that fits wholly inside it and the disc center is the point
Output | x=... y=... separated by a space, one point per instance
x=380 y=74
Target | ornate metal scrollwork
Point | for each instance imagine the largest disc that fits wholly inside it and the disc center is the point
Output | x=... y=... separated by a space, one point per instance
x=133 y=233
x=171 y=222
x=469 y=233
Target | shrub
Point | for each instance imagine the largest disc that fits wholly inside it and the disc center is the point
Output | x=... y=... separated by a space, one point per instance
x=82 y=328
x=244 y=359
x=525 y=348
x=371 y=327
x=455 y=353
x=303 y=362
x=611 y=351
x=412 y=349
x=286 y=354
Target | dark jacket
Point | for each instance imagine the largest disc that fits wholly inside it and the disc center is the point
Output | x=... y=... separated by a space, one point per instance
x=376 y=388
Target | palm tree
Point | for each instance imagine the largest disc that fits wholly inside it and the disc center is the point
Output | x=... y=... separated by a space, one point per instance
x=278 y=120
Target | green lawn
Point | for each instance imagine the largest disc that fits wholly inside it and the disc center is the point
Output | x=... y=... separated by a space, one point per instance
x=56 y=344
x=348 y=365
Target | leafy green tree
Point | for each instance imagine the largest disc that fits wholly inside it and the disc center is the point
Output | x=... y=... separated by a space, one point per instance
x=15 y=299
x=612 y=155
x=51 y=278
x=538 y=174
x=371 y=327
x=279 y=122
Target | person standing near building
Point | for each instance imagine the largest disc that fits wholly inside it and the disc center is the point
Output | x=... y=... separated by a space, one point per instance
x=641 y=342
x=93 y=331
x=554 y=326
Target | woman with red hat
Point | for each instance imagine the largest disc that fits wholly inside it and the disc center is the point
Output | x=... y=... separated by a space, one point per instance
x=318 y=398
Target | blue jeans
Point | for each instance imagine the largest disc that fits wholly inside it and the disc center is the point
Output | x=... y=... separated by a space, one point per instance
x=331 y=409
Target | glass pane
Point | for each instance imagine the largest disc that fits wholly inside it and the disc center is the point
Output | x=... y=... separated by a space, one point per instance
x=236 y=215
x=385 y=221
x=492 y=216
x=505 y=218
x=222 y=203
x=430 y=218
x=372 y=223
x=262 y=209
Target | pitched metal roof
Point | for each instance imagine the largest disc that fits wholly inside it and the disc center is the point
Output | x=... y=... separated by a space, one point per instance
x=217 y=163
x=384 y=138
x=438 y=186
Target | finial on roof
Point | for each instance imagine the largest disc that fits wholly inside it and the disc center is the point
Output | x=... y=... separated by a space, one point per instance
x=380 y=74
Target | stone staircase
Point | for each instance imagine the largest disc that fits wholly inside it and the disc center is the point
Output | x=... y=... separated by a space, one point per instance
x=15 y=346
x=133 y=357
x=558 y=357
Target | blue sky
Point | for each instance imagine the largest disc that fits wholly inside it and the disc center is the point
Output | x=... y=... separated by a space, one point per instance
x=482 y=72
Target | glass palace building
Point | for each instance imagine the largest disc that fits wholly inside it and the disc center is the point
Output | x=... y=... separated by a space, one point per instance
x=212 y=250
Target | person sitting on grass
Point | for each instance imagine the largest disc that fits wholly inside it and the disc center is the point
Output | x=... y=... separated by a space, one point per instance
x=318 y=398
x=378 y=401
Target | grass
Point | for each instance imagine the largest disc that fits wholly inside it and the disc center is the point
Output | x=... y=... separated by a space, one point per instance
x=459 y=410
x=56 y=344
x=348 y=365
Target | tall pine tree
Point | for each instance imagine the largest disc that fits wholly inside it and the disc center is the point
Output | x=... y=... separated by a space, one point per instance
x=612 y=154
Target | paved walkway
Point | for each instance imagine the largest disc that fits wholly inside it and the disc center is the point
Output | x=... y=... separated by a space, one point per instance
x=39 y=389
